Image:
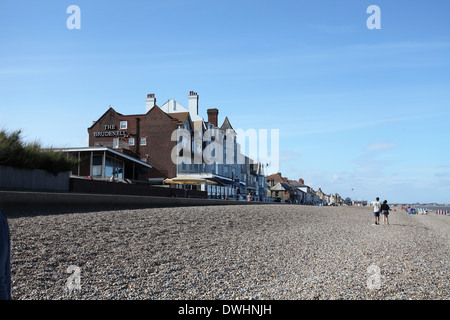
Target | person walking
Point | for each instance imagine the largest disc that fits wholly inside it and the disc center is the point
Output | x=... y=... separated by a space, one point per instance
x=385 y=212
x=5 y=264
x=376 y=211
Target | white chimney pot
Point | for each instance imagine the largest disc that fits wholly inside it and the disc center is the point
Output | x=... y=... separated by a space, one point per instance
x=150 y=102
x=193 y=103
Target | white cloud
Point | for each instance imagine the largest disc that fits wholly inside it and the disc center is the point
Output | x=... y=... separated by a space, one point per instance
x=287 y=154
x=380 y=146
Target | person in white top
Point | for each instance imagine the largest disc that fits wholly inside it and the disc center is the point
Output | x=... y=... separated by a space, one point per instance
x=376 y=211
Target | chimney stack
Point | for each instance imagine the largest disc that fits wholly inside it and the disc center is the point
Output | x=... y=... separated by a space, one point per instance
x=150 y=102
x=193 y=103
x=213 y=115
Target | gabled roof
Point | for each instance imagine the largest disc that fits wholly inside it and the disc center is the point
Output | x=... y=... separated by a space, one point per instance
x=171 y=105
x=111 y=109
x=226 y=125
x=157 y=109
x=180 y=116
x=281 y=186
x=276 y=177
x=297 y=184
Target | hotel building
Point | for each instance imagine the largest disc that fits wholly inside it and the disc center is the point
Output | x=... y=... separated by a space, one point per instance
x=139 y=147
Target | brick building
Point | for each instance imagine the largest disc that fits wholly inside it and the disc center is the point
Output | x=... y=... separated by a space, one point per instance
x=139 y=147
x=146 y=137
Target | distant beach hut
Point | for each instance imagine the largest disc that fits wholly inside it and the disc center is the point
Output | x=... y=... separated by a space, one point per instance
x=421 y=211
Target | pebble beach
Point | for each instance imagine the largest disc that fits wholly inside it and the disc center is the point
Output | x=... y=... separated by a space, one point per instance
x=273 y=251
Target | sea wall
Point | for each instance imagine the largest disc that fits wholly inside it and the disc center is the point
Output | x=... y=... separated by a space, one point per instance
x=32 y=179
x=37 y=203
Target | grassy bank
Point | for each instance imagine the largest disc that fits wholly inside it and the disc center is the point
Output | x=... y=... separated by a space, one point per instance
x=15 y=152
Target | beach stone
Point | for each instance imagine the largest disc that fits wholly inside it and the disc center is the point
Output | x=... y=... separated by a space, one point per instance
x=230 y=252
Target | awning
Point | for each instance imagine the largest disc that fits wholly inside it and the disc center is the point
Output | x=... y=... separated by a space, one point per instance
x=224 y=181
x=107 y=149
x=188 y=180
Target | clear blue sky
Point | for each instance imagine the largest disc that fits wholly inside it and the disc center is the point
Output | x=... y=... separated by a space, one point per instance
x=361 y=112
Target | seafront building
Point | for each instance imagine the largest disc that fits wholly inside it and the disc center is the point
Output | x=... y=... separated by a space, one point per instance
x=281 y=189
x=139 y=148
x=171 y=142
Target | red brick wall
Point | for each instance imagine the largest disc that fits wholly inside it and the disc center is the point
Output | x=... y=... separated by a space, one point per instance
x=156 y=126
x=111 y=117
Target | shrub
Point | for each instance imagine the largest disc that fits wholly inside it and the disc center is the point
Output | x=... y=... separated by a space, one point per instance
x=15 y=153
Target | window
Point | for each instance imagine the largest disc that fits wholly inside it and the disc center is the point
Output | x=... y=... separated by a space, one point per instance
x=123 y=125
x=131 y=141
x=143 y=141
x=113 y=167
x=116 y=143
x=97 y=166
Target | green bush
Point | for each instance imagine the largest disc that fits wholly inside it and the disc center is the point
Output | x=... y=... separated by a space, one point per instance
x=15 y=153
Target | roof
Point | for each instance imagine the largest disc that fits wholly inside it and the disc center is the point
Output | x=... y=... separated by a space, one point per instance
x=110 y=109
x=180 y=116
x=120 y=154
x=226 y=124
x=276 y=177
x=297 y=184
x=281 y=186
x=120 y=115
x=172 y=106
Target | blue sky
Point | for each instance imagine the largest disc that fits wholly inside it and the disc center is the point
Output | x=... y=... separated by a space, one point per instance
x=360 y=112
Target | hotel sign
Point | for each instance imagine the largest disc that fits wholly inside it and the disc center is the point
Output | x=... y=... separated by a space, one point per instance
x=112 y=132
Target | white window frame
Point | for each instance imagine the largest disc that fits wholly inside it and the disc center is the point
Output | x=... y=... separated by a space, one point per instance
x=131 y=141
x=116 y=143
x=123 y=125
x=143 y=141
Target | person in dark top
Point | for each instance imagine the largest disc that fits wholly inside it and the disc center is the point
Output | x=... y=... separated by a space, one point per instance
x=5 y=264
x=385 y=211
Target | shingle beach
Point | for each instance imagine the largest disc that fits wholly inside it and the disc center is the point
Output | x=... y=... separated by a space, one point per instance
x=231 y=252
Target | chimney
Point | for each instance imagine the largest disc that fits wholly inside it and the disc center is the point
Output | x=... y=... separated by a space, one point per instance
x=213 y=116
x=150 y=102
x=301 y=181
x=193 y=103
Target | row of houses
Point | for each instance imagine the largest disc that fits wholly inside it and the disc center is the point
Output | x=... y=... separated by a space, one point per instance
x=168 y=142
x=282 y=189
